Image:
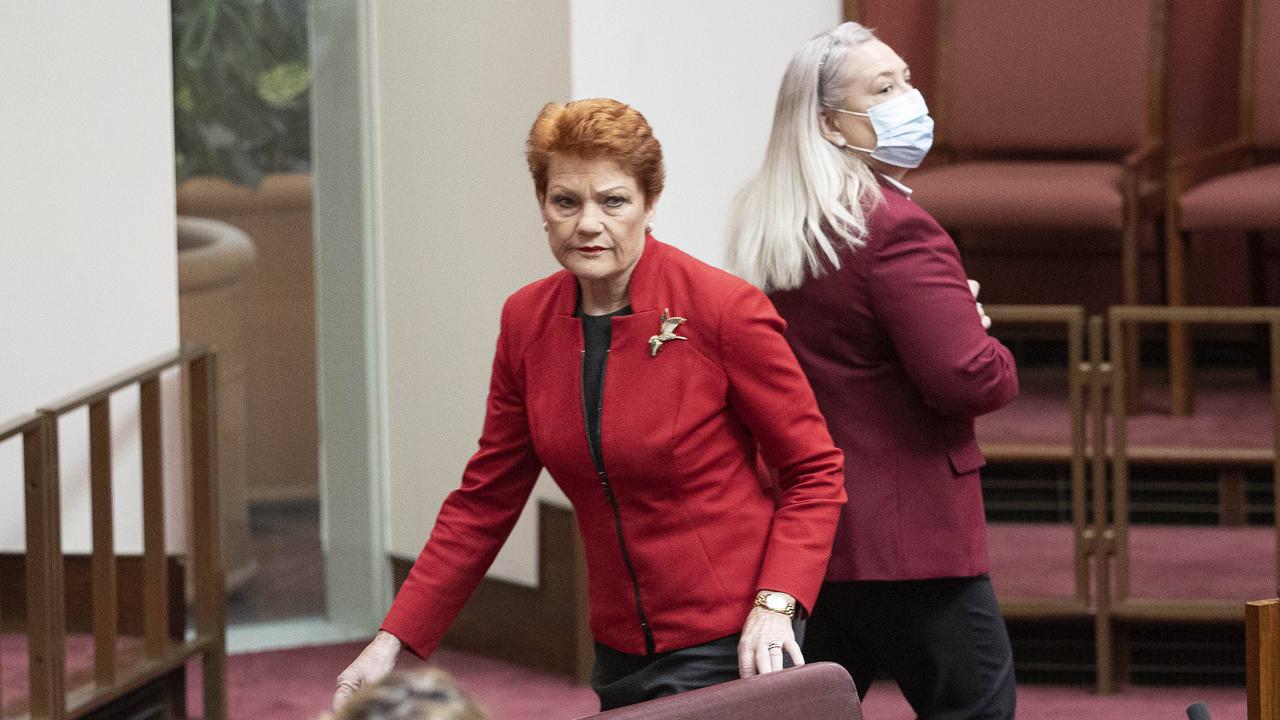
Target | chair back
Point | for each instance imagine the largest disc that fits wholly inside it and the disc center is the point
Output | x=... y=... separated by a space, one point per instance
x=1260 y=69
x=817 y=691
x=1062 y=76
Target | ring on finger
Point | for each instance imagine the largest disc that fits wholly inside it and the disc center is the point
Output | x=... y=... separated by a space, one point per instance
x=775 y=646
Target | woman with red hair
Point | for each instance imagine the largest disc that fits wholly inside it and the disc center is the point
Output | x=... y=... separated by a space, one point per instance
x=649 y=385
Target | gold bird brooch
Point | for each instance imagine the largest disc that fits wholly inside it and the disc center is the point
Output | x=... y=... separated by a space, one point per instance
x=669 y=324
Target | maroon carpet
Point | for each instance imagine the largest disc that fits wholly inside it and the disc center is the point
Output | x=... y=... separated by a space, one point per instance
x=1232 y=410
x=297 y=684
x=1233 y=563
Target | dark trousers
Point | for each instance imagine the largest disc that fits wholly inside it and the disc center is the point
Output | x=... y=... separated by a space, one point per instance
x=944 y=641
x=621 y=679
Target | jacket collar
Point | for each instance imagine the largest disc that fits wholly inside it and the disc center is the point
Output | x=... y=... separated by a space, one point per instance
x=643 y=287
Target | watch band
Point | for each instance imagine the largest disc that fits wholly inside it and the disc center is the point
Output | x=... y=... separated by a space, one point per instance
x=776 y=602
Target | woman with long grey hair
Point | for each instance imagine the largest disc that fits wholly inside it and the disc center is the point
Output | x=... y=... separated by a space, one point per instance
x=889 y=332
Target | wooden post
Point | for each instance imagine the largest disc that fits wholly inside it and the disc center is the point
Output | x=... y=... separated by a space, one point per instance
x=104 y=553
x=1274 y=328
x=1100 y=532
x=1232 y=497
x=45 y=617
x=1262 y=659
x=1180 y=346
x=1121 y=333
x=154 y=568
x=206 y=554
x=1076 y=380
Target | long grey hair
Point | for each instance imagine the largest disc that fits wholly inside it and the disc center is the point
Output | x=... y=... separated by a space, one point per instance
x=809 y=199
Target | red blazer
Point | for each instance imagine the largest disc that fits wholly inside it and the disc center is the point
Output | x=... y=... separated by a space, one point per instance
x=901 y=366
x=679 y=436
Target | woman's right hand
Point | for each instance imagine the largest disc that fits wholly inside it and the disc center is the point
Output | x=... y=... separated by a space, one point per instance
x=375 y=662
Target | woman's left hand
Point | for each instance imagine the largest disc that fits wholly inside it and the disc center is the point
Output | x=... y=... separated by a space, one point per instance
x=982 y=314
x=765 y=637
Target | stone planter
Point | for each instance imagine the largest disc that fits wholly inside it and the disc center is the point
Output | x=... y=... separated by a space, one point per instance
x=214 y=262
x=280 y=367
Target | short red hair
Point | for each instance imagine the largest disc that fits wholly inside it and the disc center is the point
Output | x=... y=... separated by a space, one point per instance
x=591 y=129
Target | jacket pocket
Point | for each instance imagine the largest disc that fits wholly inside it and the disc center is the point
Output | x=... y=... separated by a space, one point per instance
x=966 y=458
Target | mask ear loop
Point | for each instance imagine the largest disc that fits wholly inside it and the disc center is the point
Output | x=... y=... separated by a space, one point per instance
x=859 y=114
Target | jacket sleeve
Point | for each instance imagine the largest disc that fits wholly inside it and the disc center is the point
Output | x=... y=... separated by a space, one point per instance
x=920 y=292
x=770 y=394
x=475 y=519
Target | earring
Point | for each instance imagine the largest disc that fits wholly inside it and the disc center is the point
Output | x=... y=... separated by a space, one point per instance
x=648 y=227
x=544 y=226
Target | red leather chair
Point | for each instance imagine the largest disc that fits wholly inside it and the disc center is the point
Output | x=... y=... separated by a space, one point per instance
x=817 y=691
x=1233 y=186
x=1049 y=116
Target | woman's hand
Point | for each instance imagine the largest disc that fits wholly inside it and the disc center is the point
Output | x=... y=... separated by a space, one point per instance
x=765 y=637
x=373 y=664
x=982 y=314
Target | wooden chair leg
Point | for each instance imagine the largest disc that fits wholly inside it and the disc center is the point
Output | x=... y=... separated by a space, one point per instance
x=1180 y=348
x=1232 y=497
x=1130 y=280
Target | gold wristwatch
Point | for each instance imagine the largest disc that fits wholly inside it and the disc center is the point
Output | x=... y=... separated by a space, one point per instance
x=777 y=602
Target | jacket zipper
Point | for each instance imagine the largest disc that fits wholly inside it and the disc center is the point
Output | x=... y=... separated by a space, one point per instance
x=603 y=477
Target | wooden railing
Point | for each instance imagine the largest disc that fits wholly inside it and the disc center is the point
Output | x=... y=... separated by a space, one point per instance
x=1115 y=602
x=162 y=654
x=1122 y=324
x=1099 y=468
x=1071 y=318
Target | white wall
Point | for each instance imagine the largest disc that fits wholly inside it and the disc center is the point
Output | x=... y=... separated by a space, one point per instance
x=88 y=279
x=705 y=74
x=458 y=85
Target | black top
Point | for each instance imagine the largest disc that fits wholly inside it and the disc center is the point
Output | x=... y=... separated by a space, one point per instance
x=596 y=333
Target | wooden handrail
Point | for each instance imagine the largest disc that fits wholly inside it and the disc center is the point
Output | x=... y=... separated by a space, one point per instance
x=1202 y=315
x=18 y=426
x=1262 y=659
x=1073 y=318
x=44 y=563
x=125 y=379
x=1121 y=318
x=1122 y=322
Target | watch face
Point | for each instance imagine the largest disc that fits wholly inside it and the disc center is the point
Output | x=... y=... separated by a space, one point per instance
x=776 y=603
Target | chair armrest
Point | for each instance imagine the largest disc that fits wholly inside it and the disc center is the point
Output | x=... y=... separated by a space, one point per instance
x=1191 y=168
x=1143 y=181
x=1143 y=156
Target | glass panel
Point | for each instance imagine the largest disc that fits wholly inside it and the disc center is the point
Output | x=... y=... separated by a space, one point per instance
x=242 y=114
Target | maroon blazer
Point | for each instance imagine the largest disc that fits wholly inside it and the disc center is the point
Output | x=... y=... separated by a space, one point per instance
x=901 y=366
x=679 y=436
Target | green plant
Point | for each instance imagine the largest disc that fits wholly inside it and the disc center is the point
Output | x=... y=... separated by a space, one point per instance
x=241 y=88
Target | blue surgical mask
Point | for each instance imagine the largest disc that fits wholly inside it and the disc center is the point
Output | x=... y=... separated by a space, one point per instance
x=904 y=130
